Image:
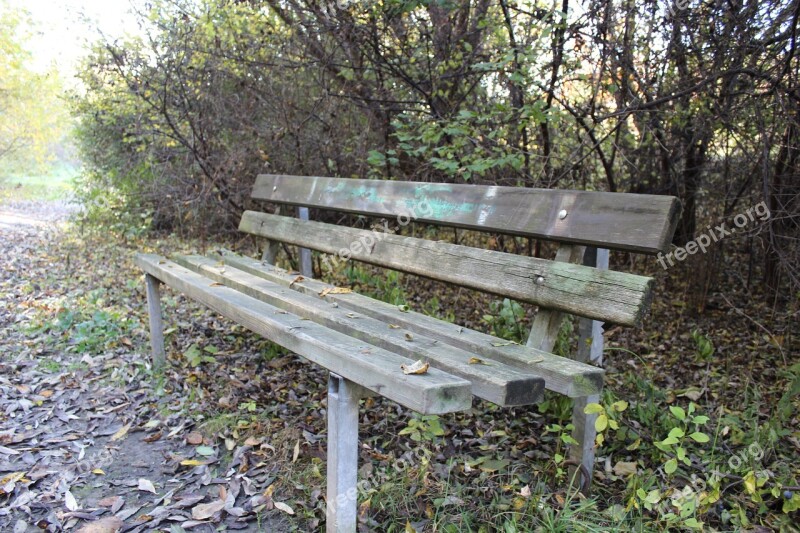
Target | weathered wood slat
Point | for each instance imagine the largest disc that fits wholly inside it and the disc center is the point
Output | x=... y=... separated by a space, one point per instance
x=491 y=380
x=561 y=375
x=370 y=366
x=611 y=296
x=634 y=222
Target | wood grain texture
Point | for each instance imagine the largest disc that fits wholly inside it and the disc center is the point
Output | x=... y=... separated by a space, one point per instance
x=634 y=222
x=561 y=375
x=491 y=380
x=156 y=325
x=370 y=366
x=547 y=322
x=611 y=296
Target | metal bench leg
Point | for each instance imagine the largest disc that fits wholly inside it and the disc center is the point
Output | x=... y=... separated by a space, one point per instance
x=156 y=326
x=590 y=350
x=343 y=397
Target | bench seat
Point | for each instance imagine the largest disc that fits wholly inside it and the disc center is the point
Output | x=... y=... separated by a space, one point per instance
x=379 y=336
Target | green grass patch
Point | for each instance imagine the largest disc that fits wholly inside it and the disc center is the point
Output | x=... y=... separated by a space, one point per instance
x=55 y=184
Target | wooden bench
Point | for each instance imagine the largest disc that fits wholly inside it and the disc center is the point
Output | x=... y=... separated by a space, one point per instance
x=364 y=342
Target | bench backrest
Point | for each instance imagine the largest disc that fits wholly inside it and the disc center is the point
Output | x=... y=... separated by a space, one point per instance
x=632 y=222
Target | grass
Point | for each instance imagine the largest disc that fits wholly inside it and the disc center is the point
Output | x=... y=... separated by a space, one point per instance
x=54 y=184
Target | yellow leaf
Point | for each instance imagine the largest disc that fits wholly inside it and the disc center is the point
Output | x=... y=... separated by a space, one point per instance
x=601 y=423
x=750 y=482
x=193 y=462
x=476 y=361
x=409 y=528
x=335 y=290
x=99 y=472
x=121 y=433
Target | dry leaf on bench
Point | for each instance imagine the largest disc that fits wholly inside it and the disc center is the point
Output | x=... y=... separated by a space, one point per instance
x=335 y=290
x=420 y=367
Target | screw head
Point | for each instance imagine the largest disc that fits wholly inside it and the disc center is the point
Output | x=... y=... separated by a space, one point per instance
x=562 y=214
x=539 y=280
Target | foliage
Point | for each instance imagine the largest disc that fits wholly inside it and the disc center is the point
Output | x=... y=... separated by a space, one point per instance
x=506 y=319
x=33 y=121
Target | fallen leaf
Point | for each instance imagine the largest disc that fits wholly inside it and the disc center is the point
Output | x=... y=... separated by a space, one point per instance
x=110 y=524
x=217 y=284
x=623 y=468
x=253 y=441
x=335 y=290
x=420 y=367
x=99 y=472
x=194 y=438
x=121 y=433
x=108 y=501
x=505 y=343
x=296 y=452
x=476 y=361
x=298 y=279
x=205 y=511
x=205 y=451
x=146 y=485
x=193 y=462
x=70 y=502
x=152 y=438
x=283 y=507
x=394 y=326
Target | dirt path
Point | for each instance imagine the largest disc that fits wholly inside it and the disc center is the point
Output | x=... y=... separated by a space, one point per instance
x=87 y=443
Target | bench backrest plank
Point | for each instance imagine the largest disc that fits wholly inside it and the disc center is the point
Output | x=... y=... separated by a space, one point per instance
x=611 y=296
x=618 y=221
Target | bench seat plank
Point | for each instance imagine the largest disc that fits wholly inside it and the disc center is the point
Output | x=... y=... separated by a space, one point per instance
x=374 y=368
x=606 y=295
x=562 y=375
x=494 y=381
x=619 y=221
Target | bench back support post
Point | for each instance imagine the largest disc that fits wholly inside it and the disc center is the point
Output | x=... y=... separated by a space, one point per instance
x=156 y=326
x=272 y=247
x=305 y=253
x=343 y=397
x=590 y=350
